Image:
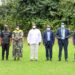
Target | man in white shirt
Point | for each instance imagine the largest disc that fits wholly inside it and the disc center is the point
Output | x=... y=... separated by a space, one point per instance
x=34 y=40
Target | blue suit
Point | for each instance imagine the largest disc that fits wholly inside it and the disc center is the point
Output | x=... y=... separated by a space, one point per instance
x=63 y=42
x=48 y=44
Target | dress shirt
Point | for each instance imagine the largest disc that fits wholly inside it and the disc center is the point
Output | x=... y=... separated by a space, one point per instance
x=34 y=36
x=62 y=33
x=48 y=35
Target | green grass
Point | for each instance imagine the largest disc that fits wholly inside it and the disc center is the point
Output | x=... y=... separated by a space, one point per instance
x=42 y=67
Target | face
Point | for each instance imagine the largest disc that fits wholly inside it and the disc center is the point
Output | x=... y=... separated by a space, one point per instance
x=5 y=27
x=62 y=26
x=17 y=28
x=34 y=26
x=48 y=28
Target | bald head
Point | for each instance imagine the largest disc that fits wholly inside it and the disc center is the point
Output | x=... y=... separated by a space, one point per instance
x=33 y=25
x=5 y=27
x=17 y=27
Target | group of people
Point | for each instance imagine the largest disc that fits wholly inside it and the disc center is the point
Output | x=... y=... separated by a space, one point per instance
x=34 y=39
x=16 y=37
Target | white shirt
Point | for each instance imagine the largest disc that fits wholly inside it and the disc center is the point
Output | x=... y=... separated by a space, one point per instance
x=34 y=36
x=48 y=36
x=62 y=33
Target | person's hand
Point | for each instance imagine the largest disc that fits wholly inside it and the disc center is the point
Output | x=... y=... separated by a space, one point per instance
x=28 y=44
x=58 y=37
x=52 y=43
x=43 y=43
x=39 y=43
x=67 y=37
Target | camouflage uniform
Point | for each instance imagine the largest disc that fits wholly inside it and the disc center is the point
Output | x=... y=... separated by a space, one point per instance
x=17 y=37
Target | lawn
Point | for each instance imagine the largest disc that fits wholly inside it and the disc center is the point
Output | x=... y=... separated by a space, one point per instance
x=41 y=67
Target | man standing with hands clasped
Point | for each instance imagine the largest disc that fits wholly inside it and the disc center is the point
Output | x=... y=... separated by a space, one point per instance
x=62 y=35
x=17 y=38
x=34 y=40
x=48 y=41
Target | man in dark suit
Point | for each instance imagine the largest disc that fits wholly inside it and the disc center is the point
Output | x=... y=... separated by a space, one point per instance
x=5 y=37
x=62 y=35
x=48 y=41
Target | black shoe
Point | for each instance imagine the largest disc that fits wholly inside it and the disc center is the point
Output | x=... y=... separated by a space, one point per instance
x=18 y=58
x=6 y=59
x=14 y=59
x=50 y=59
x=66 y=60
x=36 y=60
x=31 y=60
x=47 y=59
x=2 y=59
x=59 y=60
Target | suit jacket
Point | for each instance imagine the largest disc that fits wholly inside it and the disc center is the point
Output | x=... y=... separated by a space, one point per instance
x=67 y=34
x=52 y=38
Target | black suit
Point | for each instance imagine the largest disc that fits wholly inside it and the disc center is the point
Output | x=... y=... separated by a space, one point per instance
x=5 y=35
x=63 y=43
x=48 y=44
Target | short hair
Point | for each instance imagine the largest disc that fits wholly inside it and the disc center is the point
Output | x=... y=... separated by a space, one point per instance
x=48 y=26
x=17 y=26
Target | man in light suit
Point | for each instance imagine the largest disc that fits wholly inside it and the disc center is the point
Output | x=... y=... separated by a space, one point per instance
x=48 y=41
x=62 y=35
x=34 y=40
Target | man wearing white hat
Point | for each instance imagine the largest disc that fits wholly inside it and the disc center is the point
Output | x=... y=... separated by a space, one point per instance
x=34 y=40
x=62 y=35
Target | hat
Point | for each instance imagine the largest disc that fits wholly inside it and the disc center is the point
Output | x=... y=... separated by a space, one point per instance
x=5 y=25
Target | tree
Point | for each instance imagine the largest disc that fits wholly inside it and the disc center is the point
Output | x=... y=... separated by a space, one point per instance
x=42 y=12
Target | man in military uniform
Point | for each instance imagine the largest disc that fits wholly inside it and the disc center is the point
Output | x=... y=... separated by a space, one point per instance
x=5 y=37
x=17 y=38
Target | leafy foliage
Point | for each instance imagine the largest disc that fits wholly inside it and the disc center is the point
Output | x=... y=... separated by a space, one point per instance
x=43 y=12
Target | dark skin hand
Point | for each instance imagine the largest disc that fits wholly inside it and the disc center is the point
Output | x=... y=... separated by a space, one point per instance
x=39 y=43
x=28 y=44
